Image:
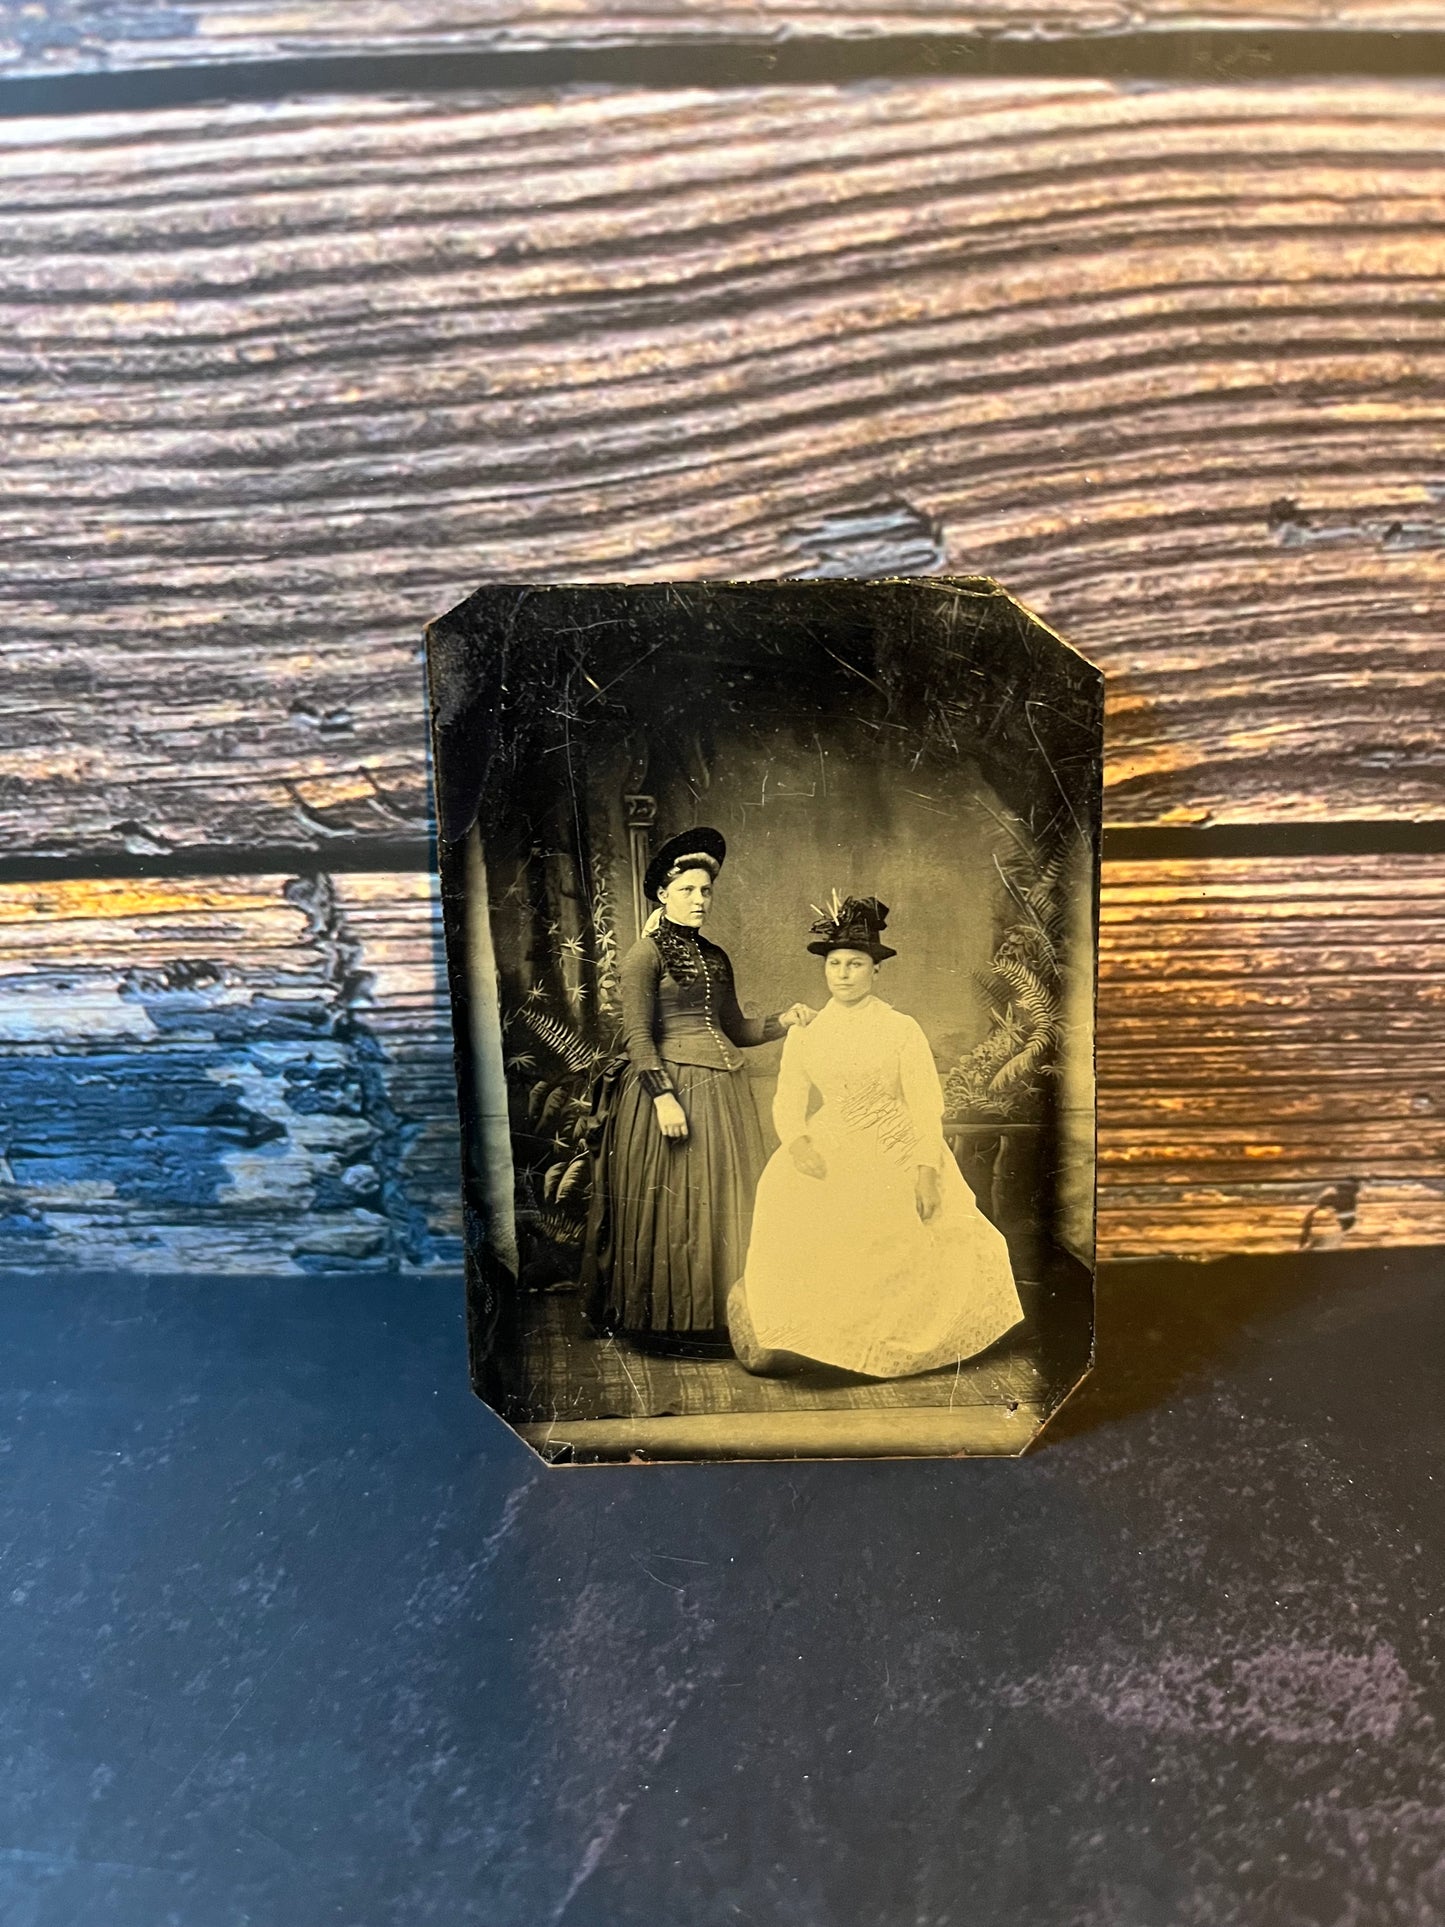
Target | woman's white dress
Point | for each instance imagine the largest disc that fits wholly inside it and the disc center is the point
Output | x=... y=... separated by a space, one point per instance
x=842 y=1269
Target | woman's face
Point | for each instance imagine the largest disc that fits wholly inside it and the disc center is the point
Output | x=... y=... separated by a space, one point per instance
x=687 y=899
x=849 y=975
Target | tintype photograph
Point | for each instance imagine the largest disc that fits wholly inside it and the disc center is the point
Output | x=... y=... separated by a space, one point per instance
x=771 y=932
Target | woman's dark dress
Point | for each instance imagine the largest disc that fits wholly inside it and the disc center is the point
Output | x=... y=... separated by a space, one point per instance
x=667 y=1236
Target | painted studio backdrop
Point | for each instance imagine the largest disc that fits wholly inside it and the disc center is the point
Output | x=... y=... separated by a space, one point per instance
x=925 y=743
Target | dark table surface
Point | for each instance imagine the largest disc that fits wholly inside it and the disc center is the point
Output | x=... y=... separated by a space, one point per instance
x=295 y=1633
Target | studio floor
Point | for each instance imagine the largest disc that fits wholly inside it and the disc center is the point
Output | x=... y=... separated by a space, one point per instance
x=294 y=1633
x=568 y=1389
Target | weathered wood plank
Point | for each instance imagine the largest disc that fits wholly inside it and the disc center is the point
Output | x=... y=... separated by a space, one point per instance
x=287 y=381
x=96 y=36
x=1267 y=1031
x=258 y=1070
x=251 y=1073
x=1213 y=1221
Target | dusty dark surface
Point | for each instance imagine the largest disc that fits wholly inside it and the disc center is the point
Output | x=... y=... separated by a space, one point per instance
x=295 y=1633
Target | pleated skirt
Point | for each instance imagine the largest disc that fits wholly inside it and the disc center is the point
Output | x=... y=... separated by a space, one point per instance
x=679 y=1209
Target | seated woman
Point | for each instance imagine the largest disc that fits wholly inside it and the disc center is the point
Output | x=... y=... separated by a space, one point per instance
x=868 y=1251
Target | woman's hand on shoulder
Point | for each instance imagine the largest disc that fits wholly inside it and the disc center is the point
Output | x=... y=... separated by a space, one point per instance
x=799 y=1014
x=671 y=1117
x=808 y=1160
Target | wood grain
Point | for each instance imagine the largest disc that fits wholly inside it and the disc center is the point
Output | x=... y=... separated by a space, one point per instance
x=1266 y=1031
x=287 y=381
x=94 y=36
x=253 y=1073
x=257 y=1071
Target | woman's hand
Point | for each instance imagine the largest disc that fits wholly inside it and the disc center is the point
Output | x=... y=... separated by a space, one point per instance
x=926 y=1192
x=806 y=1158
x=796 y=1014
x=671 y=1117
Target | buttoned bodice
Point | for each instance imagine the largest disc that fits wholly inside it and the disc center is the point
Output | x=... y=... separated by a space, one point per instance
x=680 y=1004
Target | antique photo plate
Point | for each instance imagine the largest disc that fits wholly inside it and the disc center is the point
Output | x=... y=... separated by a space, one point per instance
x=771 y=915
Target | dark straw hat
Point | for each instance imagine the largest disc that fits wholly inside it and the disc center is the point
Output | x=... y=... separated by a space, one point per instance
x=701 y=843
x=851 y=923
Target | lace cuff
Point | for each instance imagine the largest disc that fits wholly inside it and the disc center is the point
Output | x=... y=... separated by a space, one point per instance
x=656 y=1083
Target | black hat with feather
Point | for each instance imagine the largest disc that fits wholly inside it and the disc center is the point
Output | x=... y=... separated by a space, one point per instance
x=851 y=923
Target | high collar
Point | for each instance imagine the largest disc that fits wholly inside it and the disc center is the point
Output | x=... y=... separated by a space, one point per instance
x=669 y=928
x=848 y=1012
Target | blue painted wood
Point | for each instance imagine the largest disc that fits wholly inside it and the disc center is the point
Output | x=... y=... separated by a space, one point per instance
x=221 y=1073
x=292 y=1633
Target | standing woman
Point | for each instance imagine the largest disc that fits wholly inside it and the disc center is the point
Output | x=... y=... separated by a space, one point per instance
x=679 y=1152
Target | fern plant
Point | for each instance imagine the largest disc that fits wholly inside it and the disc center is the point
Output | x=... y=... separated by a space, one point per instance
x=1002 y=1078
x=550 y=1065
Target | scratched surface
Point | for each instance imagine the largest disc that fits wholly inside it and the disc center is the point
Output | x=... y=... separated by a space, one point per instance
x=295 y=1634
